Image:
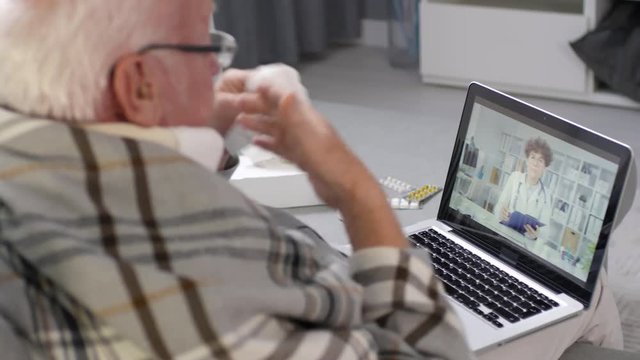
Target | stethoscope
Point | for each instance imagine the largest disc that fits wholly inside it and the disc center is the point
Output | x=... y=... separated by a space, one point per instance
x=542 y=191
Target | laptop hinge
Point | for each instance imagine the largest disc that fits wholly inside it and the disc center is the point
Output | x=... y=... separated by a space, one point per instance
x=510 y=257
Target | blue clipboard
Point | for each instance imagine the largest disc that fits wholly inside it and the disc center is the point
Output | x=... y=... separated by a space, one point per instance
x=518 y=220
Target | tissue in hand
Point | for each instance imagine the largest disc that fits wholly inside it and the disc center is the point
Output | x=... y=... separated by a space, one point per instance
x=284 y=79
x=262 y=175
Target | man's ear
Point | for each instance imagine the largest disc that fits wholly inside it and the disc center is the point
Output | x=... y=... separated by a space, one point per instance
x=136 y=90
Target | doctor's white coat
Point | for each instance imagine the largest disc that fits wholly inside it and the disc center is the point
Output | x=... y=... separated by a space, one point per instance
x=514 y=197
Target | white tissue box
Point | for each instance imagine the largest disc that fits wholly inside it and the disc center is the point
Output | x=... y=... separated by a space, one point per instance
x=273 y=181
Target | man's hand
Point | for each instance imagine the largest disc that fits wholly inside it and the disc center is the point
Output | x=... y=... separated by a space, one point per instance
x=226 y=95
x=293 y=129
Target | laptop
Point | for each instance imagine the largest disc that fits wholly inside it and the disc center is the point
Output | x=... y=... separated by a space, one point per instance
x=513 y=159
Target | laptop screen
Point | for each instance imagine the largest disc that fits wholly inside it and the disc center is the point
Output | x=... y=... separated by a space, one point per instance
x=536 y=183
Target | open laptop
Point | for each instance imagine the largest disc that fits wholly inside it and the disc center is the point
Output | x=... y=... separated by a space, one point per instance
x=507 y=278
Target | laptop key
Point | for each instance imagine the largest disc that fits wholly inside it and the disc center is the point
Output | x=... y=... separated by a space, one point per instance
x=545 y=299
x=417 y=239
x=472 y=282
x=497 y=323
x=505 y=292
x=514 y=298
x=520 y=291
x=542 y=305
x=507 y=315
x=464 y=278
x=512 y=286
x=450 y=290
x=483 y=300
x=510 y=307
x=517 y=311
x=526 y=305
x=529 y=313
x=534 y=310
x=472 y=304
x=472 y=293
x=463 y=299
x=464 y=288
x=454 y=272
x=490 y=283
x=489 y=293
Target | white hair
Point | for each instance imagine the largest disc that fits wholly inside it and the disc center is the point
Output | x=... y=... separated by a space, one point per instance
x=56 y=55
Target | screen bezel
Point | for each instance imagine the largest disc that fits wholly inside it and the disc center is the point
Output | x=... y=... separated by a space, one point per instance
x=516 y=256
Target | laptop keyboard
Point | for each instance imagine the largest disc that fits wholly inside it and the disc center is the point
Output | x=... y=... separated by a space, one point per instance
x=493 y=294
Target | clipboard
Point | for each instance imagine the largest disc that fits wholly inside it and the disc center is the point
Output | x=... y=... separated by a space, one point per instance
x=518 y=220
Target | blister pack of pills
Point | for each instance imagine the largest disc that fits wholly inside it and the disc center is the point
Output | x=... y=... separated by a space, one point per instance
x=402 y=195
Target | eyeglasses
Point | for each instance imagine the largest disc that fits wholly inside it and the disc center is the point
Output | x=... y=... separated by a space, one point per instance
x=222 y=44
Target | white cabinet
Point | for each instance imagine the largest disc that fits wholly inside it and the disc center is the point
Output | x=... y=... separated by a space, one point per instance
x=514 y=45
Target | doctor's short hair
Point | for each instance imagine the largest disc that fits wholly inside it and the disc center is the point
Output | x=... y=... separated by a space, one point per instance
x=55 y=56
x=540 y=146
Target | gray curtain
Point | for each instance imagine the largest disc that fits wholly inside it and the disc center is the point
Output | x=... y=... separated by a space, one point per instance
x=284 y=30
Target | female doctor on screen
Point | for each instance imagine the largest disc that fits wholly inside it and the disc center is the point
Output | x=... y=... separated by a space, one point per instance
x=525 y=192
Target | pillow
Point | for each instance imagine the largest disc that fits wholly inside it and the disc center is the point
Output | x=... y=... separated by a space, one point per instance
x=612 y=49
x=624 y=280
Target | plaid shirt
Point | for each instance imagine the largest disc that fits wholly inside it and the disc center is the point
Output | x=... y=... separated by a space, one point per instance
x=111 y=248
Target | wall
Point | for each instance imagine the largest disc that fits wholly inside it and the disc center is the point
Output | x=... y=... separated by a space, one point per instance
x=374 y=23
x=375 y=9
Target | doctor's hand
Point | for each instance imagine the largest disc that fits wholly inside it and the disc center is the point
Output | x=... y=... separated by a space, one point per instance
x=504 y=214
x=531 y=232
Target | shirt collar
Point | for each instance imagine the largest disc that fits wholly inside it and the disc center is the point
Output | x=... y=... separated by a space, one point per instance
x=202 y=145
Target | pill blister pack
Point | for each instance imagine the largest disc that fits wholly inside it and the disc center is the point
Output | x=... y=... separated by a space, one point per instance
x=402 y=195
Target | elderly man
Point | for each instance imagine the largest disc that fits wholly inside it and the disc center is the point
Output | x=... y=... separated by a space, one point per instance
x=116 y=244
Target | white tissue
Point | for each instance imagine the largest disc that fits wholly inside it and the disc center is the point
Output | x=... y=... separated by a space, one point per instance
x=283 y=78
